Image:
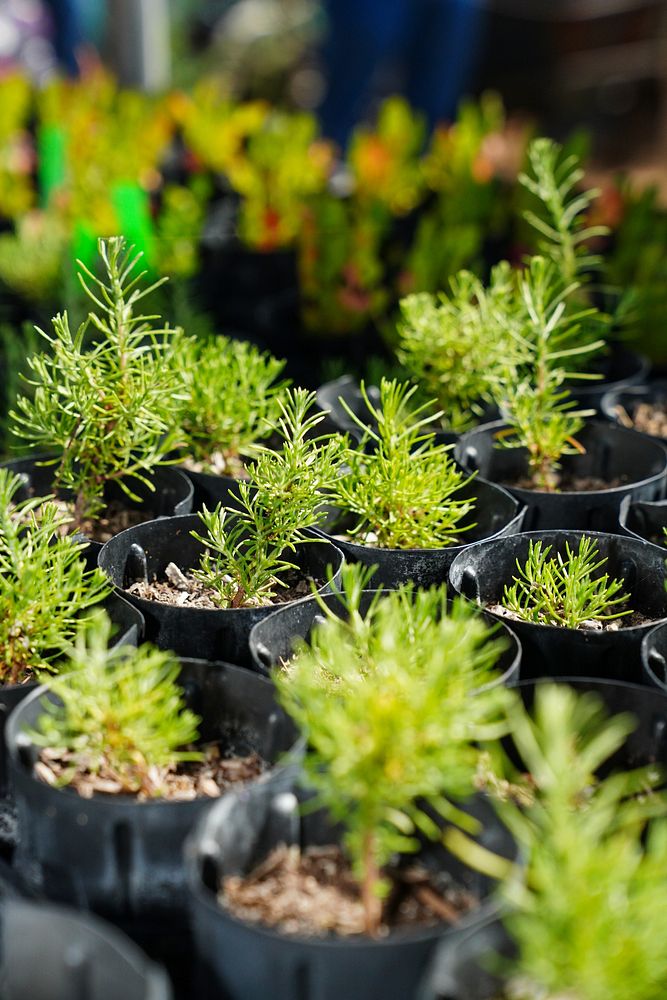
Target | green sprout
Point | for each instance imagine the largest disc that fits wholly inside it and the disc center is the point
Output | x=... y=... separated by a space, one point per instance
x=399 y=483
x=120 y=713
x=247 y=548
x=565 y=591
x=584 y=917
x=44 y=584
x=392 y=725
x=232 y=399
x=110 y=408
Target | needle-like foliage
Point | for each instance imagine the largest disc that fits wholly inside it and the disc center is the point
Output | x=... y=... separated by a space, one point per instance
x=452 y=346
x=569 y=592
x=110 y=409
x=232 y=399
x=248 y=549
x=584 y=918
x=120 y=714
x=44 y=583
x=399 y=484
x=392 y=706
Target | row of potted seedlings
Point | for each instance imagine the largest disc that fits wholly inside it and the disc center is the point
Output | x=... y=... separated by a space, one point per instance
x=362 y=864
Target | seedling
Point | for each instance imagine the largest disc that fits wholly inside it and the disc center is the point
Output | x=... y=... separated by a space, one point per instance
x=44 y=584
x=110 y=408
x=452 y=346
x=120 y=715
x=569 y=591
x=399 y=484
x=247 y=549
x=392 y=717
x=584 y=916
x=233 y=392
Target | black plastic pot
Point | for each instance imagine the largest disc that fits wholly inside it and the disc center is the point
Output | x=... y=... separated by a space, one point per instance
x=241 y=960
x=273 y=638
x=619 y=368
x=53 y=953
x=111 y=854
x=144 y=552
x=481 y=572
x=129 y=629
x=209 y=490
x=644 y=520
x=629 y=398
x=496 y=514
x=611 y=453
x=172 y=495
x=463 y=970
x=654 y=657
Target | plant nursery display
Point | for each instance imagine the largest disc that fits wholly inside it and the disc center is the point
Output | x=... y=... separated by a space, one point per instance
x=106 y=406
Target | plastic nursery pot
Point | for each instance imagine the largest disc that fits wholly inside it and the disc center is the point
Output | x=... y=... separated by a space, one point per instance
x=346 y=387
x=129 y=630
x=172 y=495
x=143 y=552
x=240 y=960
x=209 y=490
x=654 y=657
x=645 y=520
x=272 y=639
x=482 y=571
x=619 y=368
x=612 y=453
x=627 y=400
x=111 y=854
x=79 y=957
x=495 y=512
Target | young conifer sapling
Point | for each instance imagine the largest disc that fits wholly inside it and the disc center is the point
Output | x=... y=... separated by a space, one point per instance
x=104 y=396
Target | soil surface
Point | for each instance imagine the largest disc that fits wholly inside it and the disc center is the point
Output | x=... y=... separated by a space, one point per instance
x=313 y=893
x=208 y=778
x=183 y=590
x=570 y=484
x=650 y=418
x=633 y=620
x=116 y=518
x=218 y=464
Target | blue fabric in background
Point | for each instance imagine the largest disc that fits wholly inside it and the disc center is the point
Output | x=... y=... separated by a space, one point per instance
x=432 y=43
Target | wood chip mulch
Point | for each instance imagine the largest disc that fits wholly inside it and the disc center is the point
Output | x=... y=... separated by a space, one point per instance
x=183 y=590
x=190 y=780
x=650 y=418
x=313 y=893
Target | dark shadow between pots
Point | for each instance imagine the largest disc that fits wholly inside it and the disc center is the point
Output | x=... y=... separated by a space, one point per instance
x=481 y=572
x=611 y=453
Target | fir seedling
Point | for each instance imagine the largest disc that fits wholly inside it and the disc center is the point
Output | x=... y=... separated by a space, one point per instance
x=109 y=409
x=232 y=400
x=399 y=484
x=452 y=346
x=584 y=918
x=542 y=417
x=247 y=549
x=120 y=715
x=44 y=584
x=568 y=592
x=393 y=741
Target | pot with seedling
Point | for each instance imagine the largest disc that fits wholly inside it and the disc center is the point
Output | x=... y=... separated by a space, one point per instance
x=592 y=821
x=45 y=586
x=402 y=504
x=644 y=519
x=640 y=407
x=580 y=603
x=203 y=581
x=232 y=392
x=104 y=807
x=345 y=897
x=106 y=400
x=278 y=638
